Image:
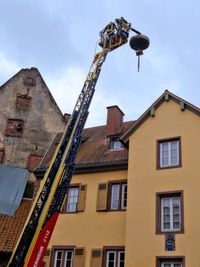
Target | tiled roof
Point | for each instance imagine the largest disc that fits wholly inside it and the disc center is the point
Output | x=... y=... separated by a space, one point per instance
x=11 y=227
x=94 y=148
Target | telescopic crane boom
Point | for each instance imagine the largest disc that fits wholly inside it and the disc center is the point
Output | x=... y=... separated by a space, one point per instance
x=39 y=225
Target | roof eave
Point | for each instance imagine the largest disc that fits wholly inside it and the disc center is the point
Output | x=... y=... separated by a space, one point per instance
x=90 y=167
x=166 y=95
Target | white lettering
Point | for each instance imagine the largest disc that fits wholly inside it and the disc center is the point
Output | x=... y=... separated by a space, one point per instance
x=38 y=256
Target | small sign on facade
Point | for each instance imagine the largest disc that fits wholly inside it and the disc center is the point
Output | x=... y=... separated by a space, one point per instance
x=170 y=242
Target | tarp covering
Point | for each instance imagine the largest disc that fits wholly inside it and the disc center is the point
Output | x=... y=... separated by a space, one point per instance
x=12 y=185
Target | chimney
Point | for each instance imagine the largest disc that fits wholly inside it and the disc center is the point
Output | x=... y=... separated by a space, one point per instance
x=66 y=117
x=114 y=120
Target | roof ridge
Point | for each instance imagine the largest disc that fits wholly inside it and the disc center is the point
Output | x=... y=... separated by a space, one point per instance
x=165 y=96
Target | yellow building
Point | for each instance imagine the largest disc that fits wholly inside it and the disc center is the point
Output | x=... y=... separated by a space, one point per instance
x=158 y=224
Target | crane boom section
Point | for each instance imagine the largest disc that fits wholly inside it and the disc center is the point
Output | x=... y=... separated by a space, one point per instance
x=54 y=186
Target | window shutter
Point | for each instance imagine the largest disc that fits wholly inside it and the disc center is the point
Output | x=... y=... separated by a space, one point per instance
x=102 y=197
x=96 y=258
x=82 y=198
x=47 y=253
x=2 y=154
x=79 y=257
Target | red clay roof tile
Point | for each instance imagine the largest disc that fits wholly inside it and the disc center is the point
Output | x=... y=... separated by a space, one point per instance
x=94 y=148
x=11 y=226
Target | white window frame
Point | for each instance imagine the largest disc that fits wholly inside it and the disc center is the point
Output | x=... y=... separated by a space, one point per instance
x=65 y=259
x=169 y=152
x=117 y=255
x=64 y=253
x=112 y=196
x=70 y=197
x=124 y=185
x=171 y=220
x=56 y=257
x=119 y=196
x=107 y=257
x=116 y=144
x=172 y=264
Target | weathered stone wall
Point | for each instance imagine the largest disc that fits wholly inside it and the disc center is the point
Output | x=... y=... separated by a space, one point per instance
x=29 y=118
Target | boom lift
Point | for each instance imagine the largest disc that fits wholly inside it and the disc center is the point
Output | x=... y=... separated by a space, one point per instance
x=39 y=225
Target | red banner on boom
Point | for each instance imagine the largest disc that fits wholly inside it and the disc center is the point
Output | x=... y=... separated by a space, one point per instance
x=42 y=243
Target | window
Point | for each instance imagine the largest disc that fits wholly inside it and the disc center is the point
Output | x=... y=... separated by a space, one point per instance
x=115 y=144
x=14 y=127
x=170 y=212
x=170 y=261
x=124 y=196
x=75 y=198
x=63 y=258
x=171 y=264
x=118 y=195
x=23 y=101
x=115 y=258
x=169 y=153
x=72 y=199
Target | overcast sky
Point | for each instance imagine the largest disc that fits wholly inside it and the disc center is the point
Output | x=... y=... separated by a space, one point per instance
x=59 y=38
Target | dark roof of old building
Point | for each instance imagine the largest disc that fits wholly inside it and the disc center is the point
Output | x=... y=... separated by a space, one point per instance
x=11 y=226
x=94 y=151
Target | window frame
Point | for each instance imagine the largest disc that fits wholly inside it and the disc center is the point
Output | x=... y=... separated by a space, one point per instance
x=63 y=250
x=65 y=206
x=123 y=207
x=159 y=197
x=158 y=157
x=112 y=249
x=112 y=141
x=170 y=259
x=121 y=184
x=171 y=221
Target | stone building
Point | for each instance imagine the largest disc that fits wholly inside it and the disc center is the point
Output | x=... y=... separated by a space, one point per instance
x=29 y=119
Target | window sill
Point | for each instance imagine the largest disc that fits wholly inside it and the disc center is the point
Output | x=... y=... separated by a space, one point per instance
x=109 y=210
x=116 y=149
x=170 y=232
x=70 y=212
x=169 y=167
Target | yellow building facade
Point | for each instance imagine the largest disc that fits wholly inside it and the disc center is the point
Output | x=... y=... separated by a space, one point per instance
x=91 y=229
x=157 y=225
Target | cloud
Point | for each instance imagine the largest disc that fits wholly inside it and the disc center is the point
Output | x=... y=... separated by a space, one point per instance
x=7 y=68
x=66 y=88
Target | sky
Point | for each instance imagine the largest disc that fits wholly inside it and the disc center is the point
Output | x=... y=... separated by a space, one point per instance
x=60 y=39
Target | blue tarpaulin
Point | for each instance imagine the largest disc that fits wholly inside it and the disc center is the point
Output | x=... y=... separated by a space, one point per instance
x=12 y=185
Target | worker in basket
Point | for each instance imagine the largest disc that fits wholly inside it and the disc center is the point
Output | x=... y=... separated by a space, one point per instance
x=107 y=34
x=111 y=34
